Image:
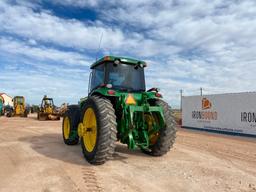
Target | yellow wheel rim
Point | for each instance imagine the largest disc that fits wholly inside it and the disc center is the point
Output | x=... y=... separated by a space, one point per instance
x=90 y=129
x=66 y=127
x=150 y=120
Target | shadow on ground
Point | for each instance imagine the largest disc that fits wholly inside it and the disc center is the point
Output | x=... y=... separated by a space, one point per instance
x=52 y=146
x=122 y=149
x=33 y=116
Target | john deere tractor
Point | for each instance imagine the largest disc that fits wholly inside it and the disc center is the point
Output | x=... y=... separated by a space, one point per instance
x=18 y=109
x=118 y=108
x=47 y=110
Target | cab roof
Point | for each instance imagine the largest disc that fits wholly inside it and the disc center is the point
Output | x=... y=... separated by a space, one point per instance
x=122 y=59
x=47 y=98
x=19 y=97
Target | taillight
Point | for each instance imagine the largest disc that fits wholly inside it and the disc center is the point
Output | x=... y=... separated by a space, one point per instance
x=111 y=92
x=106 y=58
x=158 y=95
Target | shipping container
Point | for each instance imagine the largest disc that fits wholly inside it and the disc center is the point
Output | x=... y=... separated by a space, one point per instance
x=229 y=113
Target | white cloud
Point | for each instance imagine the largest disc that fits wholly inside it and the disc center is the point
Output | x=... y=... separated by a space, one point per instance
x=188 y=43
x=43 y=26
x=46 y=27
x=35 y=85
x=42 y=53
x=77 y=3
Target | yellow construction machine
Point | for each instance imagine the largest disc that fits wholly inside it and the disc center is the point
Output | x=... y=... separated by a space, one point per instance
x=47 y=110
x=18 y=109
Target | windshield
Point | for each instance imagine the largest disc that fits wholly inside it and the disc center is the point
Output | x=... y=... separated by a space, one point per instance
x=19 y=100
x=48 y=102
x=126 y=77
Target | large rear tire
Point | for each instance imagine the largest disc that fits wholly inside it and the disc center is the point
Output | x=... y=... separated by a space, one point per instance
x=98 y=120
x=167 y=134
x=69 y=125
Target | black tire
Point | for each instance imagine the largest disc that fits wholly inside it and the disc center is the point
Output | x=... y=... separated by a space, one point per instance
x=9 y=114
x=42 y=116
x=167 y=134
x=25 y=114
x=73 y=113
x=106 y=130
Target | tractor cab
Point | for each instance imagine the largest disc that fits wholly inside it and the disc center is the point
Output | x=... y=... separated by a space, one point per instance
x=19 y=105
x=47 y=105
x=18 y=109
x=121 y=74
x=18 y=100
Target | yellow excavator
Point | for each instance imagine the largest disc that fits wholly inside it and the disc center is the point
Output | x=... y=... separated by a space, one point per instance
x=47 y=110
x=18 y=109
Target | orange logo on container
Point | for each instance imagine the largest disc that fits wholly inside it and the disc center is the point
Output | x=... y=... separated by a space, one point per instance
x=206 y=104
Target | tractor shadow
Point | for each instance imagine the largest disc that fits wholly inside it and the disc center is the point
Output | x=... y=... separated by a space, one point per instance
x=52 y=146
x=122 y=150
x=33 y=117
x=123 y=154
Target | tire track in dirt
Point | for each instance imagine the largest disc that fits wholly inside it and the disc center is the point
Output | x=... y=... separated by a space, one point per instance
x=90 y=179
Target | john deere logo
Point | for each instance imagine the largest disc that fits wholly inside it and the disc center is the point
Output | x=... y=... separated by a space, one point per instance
x=206 y=104
x=205 y=115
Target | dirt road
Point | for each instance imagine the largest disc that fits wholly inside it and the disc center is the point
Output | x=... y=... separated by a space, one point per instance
x=34 y=158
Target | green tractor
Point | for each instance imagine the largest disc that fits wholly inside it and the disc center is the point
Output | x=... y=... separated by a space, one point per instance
x=118 y=108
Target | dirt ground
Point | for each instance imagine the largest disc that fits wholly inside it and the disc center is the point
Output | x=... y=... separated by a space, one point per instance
x=34 y=158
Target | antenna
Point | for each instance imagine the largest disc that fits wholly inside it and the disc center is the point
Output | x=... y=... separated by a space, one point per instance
x=99 y=47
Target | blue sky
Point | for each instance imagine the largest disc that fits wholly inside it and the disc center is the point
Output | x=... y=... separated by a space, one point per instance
x=46 y=47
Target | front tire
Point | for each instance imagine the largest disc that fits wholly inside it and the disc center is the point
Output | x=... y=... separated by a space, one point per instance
x=9 y=114
x=98 y=120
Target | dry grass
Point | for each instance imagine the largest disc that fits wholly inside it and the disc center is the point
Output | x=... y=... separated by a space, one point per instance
x=177 y=115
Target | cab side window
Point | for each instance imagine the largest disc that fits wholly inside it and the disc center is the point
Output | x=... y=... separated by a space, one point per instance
x=97 y=76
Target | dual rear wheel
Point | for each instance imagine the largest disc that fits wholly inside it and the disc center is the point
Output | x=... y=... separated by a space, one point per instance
x=162 y=141
x=97 y=129
x=96 y=125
